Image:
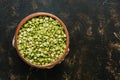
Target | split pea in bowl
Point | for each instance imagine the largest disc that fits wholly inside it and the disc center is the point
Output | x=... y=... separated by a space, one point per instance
x=41 y=40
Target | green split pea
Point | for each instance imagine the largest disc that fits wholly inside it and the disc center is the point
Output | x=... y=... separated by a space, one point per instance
x=41 y=40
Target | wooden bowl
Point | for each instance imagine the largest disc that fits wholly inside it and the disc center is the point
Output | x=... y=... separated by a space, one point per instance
x=35 y=15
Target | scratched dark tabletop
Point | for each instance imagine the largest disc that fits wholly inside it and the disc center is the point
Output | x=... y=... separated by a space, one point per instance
x=94 y=29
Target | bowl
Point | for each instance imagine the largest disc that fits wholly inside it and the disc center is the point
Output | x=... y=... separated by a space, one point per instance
x=42 y=14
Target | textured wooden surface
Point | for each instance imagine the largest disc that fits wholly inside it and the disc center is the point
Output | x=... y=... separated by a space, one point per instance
x=94 y=29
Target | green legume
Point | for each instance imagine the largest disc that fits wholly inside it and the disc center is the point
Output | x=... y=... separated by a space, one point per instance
x=41 y=40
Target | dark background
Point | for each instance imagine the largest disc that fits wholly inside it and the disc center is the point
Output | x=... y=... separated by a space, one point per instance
x=94 y=30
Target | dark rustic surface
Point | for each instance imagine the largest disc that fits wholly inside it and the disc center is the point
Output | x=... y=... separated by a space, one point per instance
x=94 y=29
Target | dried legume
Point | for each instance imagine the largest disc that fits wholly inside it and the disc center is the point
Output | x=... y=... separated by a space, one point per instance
x=41 y=40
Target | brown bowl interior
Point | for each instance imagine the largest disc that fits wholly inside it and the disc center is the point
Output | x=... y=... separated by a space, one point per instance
x=35 y=15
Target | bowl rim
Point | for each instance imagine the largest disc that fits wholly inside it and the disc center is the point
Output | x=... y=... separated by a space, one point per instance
x=24 y=20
